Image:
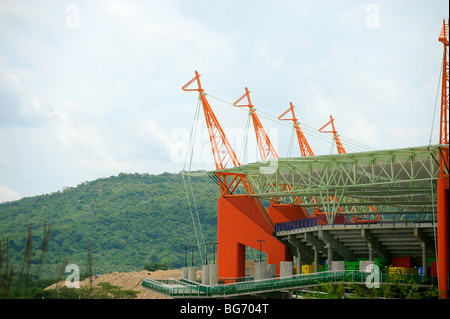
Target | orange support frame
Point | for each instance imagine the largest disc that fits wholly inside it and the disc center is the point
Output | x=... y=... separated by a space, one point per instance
x=266 y=149
x=285 y=212
x=443 y=178
x=224 y=155
x=221 y=147
x=277 y=212
x=305 y=149
x=340 y=147
x=242 y=221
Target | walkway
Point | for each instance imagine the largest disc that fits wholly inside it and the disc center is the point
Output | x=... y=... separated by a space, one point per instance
x=189 y=289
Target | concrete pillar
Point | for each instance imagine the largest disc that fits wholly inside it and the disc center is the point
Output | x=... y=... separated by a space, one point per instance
x=363 y=265
x=185 y=273
x=271 y=271
x=205 y=275
x=260 y=270
x=286 y=269
x=329 y=256
x=213 y=274
x=337 y=266
x=299 y=261
x=370 y=246
x=264 y=271
x=316 y=260
x=192 y=273
x=424 y=260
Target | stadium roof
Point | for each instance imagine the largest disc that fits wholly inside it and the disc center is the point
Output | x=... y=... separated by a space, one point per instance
x=398 y=180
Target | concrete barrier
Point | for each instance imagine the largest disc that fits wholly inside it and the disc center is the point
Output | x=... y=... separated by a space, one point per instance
x=192 y=273
x=213 y=274
x=286 y=269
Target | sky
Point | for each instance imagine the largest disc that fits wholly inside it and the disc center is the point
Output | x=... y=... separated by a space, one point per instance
x=90 y=89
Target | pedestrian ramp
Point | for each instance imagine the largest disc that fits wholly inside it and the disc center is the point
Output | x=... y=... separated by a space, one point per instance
x=189 y=289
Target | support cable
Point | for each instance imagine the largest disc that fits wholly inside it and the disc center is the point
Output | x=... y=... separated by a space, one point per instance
x=291 y=141
x=189 y=154
x=353 y=145
x=245 y=142
x=435 y=102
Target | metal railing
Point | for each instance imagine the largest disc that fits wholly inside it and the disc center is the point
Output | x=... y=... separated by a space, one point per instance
x=176 y=288
x=318 y=221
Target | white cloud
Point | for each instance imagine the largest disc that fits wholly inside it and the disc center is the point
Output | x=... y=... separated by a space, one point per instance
x=8 y=195
x=265 y=53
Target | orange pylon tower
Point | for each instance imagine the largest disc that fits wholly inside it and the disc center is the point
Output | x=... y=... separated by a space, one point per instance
x=278 y=212
x=339 y=146
x=241 y=219
x=305 y=149
x=266 y=149
x=341 y=150
x=224 y=155
x=443 y=178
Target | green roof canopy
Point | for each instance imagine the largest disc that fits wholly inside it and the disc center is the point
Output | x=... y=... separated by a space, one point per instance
x=390 y=181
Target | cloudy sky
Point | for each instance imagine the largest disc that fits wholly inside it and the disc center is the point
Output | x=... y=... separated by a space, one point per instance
x=89 y=89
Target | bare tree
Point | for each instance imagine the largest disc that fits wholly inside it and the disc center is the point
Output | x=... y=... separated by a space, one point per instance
x=89 y=264
x=61 y=271
x=43 y=248
x=26 y=260
x=6 y=275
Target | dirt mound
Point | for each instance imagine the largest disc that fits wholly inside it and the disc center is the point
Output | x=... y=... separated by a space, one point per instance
x=132 y=281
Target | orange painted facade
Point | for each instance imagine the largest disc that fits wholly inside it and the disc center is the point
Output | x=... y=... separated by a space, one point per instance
x=280 y=213
x=242 y=221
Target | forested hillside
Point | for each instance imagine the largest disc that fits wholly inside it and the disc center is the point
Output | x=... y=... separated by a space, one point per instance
x=129 y=220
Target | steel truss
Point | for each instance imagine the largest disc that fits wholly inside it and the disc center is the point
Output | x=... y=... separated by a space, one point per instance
x=383 y=182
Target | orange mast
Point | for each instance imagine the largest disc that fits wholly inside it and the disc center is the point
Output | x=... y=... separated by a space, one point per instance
x=340 y=147
x=266 y=149
x=443 y=218
x=221 y=147
x=241 y=219
x=224 y=155
x=305 y=149
x=443 y=132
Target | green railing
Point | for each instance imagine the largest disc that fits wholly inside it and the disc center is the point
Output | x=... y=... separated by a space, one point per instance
x=176 y=288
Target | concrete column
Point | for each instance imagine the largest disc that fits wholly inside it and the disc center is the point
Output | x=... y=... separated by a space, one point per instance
x=424 y=260
x=213 y=274
x=363 y=265
x=299 y=261
x=316 y=260
x=286 y=269
x=337 y=266
x=260 y=270
x=192 y=273
x=271 y=271
x=185 y=272
x=330 y=257
x=205 y=275
x=263 y=270
x=370 y=246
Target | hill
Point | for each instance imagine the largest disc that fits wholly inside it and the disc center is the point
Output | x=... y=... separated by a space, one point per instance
x=130 y=220
x=131 y=281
